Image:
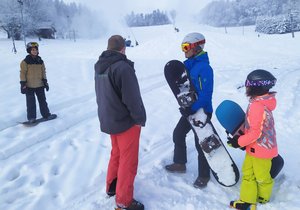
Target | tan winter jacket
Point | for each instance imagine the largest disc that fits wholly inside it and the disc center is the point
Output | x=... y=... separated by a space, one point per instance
x=33 y=71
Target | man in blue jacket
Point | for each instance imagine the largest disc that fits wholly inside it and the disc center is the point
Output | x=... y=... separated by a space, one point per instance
x=201 y=76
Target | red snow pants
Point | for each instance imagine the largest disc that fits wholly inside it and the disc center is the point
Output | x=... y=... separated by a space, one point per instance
x=123 y=164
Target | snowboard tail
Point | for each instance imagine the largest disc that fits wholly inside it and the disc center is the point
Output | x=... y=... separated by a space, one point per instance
x=39 y=120
x=231 y=116
x=220 y=162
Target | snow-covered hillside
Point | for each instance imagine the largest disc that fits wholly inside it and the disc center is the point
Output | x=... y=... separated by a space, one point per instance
x=61 y=164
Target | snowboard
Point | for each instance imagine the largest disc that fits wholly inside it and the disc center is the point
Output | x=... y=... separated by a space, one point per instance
x=232 y=117
x=221 y=164
x=39 y=120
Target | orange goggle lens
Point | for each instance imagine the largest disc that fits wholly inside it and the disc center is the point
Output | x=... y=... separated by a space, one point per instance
x=186 y=47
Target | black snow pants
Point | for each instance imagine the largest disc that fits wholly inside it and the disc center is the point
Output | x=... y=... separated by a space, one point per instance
x=31 y=104
x=180 y=155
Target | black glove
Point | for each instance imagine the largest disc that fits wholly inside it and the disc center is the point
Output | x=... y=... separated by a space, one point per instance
x=23 y=87
x=187 y=111
x=233 y=141
x=46 y=85
x=200 y=124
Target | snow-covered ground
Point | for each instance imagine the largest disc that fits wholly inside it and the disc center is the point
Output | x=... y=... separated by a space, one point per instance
x=61 y=164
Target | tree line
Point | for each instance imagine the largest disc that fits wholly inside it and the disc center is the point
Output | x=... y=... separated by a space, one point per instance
x=269 y=16
x=157 y=17
x=20 y=18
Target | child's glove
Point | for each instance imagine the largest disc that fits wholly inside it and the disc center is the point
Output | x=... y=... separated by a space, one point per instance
x=233 y=141
x=23 y=87
x=46 y=85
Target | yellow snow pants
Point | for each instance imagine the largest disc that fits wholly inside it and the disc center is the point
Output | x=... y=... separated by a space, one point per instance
x=257 y=183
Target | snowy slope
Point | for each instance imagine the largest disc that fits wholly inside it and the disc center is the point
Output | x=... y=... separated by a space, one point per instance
x=62 y=164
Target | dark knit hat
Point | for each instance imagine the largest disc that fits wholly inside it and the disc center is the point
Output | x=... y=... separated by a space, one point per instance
x=116 y=42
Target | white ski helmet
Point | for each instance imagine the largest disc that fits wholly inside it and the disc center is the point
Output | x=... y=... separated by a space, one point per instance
x=194 y=38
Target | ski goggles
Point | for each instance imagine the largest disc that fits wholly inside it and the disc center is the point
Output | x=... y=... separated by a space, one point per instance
x=32 y=44
x=185 y=47
x=260 y=83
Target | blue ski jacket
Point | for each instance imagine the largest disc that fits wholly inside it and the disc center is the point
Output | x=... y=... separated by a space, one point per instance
x=202 y=78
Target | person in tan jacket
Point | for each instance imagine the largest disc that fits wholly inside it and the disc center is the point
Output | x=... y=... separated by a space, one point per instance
x=33 y=81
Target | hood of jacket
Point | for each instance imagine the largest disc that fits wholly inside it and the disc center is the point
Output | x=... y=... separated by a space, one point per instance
x=201 y=57
x=109 y=57
x=33 y=60
x=267 y=100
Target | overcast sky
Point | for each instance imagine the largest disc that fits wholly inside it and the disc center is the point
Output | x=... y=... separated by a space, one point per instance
x=121 y=7
x=112 y=12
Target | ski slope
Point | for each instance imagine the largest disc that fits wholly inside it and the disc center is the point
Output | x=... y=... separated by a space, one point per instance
x=61 y=164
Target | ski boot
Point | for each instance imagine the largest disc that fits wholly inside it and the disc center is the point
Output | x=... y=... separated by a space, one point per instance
x=135 y=205
x=112 y=188
x=241 y=205
x=176 y=168
x=201 y=182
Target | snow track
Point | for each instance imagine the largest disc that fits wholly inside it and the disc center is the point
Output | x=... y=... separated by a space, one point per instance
x=61 y=164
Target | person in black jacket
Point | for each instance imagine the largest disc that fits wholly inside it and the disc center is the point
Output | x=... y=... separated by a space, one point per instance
x=121 y=114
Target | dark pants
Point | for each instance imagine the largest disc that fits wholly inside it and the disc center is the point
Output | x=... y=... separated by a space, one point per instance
x=180 y=156
x=31 y=105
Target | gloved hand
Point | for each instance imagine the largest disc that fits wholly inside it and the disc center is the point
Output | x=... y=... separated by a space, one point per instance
x=46 y=85
x=201 y=124
x=233 y=141
x=187 y=111
x=23 y=87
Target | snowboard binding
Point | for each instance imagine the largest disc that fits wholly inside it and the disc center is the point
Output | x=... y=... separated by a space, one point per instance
x=186 y=99
x=210 y=143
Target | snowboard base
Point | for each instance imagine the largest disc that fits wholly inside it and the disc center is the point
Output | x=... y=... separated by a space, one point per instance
x=29 y=124
x=210 y=143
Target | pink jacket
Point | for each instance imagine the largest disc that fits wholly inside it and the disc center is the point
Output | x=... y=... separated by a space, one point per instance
x=260 y=135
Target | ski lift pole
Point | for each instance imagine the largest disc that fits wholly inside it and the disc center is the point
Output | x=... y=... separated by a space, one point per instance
x=14 y=45
x=12 y=35
x=136 y=42
x=22 y=20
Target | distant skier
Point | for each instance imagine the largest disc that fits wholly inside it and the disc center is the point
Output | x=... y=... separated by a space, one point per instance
x=259 y=140
x=33 y=81
x=201 y=77
x=127 y=42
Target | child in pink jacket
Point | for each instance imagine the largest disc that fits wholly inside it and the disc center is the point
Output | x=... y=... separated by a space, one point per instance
x=259 y=140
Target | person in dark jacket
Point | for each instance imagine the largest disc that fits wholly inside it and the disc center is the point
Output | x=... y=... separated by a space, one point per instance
x=33 y=81
x=201 y=76
x=121 y=114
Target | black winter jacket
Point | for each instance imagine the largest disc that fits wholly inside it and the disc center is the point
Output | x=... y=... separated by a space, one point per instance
x=120 y=105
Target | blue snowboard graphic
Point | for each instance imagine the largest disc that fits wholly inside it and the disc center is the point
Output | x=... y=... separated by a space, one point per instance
x=232 y=117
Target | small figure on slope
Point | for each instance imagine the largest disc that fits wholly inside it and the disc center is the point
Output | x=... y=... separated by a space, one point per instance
x=33 y=81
